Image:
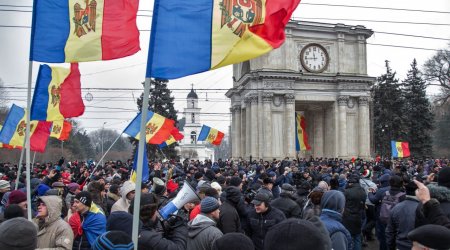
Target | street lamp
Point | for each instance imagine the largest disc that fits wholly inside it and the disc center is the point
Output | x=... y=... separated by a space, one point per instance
x=103 y=128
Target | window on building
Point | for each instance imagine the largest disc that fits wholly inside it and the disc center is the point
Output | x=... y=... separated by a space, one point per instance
x=193 y=137
x=193 y=118
x=192 y=103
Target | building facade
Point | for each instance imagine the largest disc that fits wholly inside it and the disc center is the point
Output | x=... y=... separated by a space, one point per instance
x=321 y=72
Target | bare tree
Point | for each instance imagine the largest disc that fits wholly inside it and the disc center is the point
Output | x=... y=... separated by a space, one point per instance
x=437 y=73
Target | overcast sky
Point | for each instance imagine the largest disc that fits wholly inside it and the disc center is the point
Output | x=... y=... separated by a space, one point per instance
x=117 y=107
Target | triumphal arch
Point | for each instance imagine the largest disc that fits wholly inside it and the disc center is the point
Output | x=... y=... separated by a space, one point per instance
x=321 y=72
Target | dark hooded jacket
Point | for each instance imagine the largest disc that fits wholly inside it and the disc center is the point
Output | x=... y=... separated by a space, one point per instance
x=355 y=198
x=333 y=203
x=287 y=205
x=229 y=221
x=202 y=232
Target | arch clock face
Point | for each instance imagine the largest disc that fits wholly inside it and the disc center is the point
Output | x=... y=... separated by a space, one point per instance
x=314 y=58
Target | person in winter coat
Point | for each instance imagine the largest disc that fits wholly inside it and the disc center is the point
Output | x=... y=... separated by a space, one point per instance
x=262 y=218
x=402 y=220
x=355 y=198
x=54 y=232
x=88 y=223
x=439 y=191
x=286 y=202
x=127 y=192
x=112 y=196
x=333 y=204
x=394 y=187
x=202 y=230
x=149 y=237
x=229 y=221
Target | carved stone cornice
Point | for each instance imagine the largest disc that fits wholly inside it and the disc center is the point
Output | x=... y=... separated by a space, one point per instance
x=254 y=99
x=363 y=100
x=343 y=100
x=267 y=97
x=290 y=98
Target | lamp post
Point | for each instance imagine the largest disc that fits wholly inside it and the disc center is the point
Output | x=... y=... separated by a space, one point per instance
x=103 y=129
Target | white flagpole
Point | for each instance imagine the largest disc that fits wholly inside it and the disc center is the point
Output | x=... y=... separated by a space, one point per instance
x=27 y=139
x=142 y=141
x=19 y=168
x=103 y=156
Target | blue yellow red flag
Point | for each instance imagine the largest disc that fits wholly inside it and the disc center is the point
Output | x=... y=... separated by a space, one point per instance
x=145 y=170
x=189 y=37
x=157 y=128
x=57 y=94
x=400 y=149
x=175 y=135
x=211 y=135
x=61 y=130
x=83 y=30
x=301 y=138
x=13 y=131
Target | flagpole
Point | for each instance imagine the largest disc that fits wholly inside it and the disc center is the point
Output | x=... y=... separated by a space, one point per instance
x=103 y=156
x=27 y=139
x=19 y=169
x=142 y=141
x=34 y=157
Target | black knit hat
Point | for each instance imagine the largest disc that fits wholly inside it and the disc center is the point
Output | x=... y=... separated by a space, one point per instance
x=444 y=177
x=18 y=234
x=113 y=240
x=235 y=241
x=84 y=197
x=432 y=236
x=293 y=234
x=208 y=205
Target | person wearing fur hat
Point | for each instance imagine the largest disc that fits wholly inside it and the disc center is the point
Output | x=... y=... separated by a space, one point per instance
x=202 y=230
x=53 y=231
x=127 y=192
x=333 y=204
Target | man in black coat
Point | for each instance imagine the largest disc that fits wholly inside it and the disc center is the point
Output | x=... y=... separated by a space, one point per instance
x=286 y=202
x=355 y=198
x=229 y=221
x=262 y=218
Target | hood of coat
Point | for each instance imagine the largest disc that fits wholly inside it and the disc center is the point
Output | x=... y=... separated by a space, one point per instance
x=127 y=187
x=440 y=193
x=54 y=207
x=198 y=224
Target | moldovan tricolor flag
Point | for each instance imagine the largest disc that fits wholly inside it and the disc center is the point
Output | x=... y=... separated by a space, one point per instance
x=157 y=128
x=301 y=138
x=145 y=171
x=61 y=130
x=3 y=145
x=400 y=149
x=175 y=135
x=57 y=94
x=211 y=135
x=13 y=131
x=194 y=36
x=83 y=30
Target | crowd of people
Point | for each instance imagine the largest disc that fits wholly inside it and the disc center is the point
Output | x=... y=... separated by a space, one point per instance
x=311 y=203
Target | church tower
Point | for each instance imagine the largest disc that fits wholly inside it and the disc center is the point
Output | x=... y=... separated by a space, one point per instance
x=192 y=116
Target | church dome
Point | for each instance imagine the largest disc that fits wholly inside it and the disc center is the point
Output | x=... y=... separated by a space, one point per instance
x=192 y=94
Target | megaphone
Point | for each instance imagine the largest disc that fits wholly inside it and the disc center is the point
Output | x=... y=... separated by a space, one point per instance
x=185 y=195
x=157 y=182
